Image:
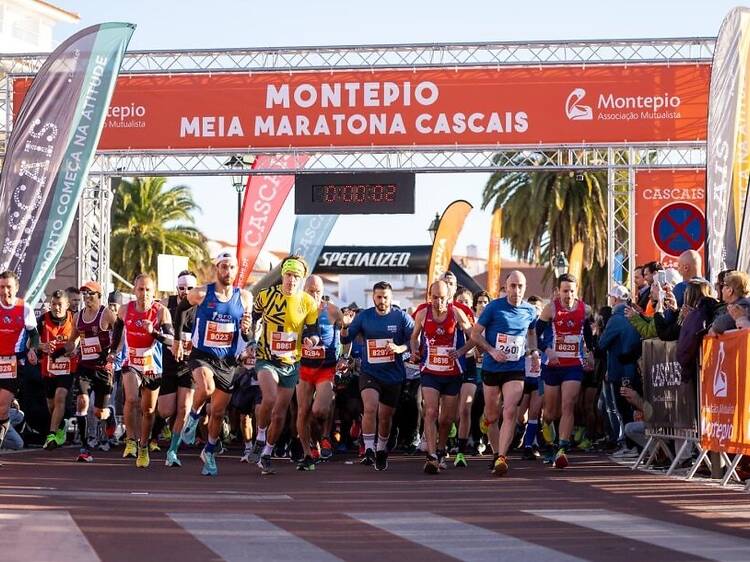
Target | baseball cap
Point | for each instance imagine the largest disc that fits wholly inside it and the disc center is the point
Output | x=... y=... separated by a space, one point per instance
x=92 y=286
x=225 y=256
x=619 y=292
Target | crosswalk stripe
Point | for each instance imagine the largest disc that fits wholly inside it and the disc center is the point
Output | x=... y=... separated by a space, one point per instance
x=460 y=540
x=43 y=535
x=238 y=537
x=680 y=538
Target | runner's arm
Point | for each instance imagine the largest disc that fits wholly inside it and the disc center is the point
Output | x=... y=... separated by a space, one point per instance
x=348 y=333
x=182 y=307
x=311 y=331
x=588 y=335
x=246 y=324
x=414 y=342
x=70 y=345
x=477 y=337
x=165 y=334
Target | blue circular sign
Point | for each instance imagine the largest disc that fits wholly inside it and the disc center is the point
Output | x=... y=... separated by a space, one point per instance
x=679 y=227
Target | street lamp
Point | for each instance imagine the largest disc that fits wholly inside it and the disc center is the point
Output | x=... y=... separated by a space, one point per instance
x=560 y=264
x=433 y=228
x=239 y=163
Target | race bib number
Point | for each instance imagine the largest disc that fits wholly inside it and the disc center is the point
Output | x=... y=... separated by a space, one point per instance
x=187 y=341
x=248 y=361
x=8 y=367
x=439 y=359
x=379 y=352
x=316 y=352
x=531 y=371
x=568 y=347
x=141 y=359
x=58 y=367
x=219 y=334
x=283 y=344
x=512 y=346
x=91 y=349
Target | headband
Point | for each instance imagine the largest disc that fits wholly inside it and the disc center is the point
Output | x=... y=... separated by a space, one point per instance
x=294 y=266
x=187 y=281
x=225 y=256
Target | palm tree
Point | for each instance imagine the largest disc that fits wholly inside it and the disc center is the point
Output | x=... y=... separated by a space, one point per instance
x=547 y=212
x=148 y=220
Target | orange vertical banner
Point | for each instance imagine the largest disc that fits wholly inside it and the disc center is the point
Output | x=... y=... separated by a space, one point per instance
x=446 y=236
x=576 y=261
x=724 y=393
x=494 y=260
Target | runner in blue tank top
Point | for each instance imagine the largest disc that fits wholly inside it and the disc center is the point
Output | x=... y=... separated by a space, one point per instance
x=386 y=332
x=505 y=333
x=222 y=316
x=316 y=374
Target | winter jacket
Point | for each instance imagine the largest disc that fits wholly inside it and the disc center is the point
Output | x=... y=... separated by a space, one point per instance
x=622 y=343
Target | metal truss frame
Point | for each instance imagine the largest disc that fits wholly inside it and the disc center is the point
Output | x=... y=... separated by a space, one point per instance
x=620 y=161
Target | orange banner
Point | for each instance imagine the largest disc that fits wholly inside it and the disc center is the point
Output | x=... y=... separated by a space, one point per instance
x=724 y=393
x=428 y=107
x=669 y=214
x=494 y=261
x=447 y=233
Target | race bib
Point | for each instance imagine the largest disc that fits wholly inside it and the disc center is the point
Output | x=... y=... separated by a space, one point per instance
x=568 y=347
x=91 y=349
x=219 y=334
x=187 y=341
x=248 y=362
x=439 y=360
x=8 y=367
x=58 y=367
x=283 y=344
x=531 y=371
x=316 y=352
x=141 y=359
x=379 y=352
x=512 y=346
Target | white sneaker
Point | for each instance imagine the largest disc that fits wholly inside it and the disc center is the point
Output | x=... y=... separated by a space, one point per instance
x=246 y=455
x=625 y=453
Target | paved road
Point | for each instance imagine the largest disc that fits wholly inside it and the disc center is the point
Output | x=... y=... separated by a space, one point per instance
x=54 y=509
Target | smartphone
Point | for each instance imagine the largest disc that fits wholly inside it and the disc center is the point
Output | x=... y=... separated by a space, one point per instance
x=661 y=277
x=625 y=383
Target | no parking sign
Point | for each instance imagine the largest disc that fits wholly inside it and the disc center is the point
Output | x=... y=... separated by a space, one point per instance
x=669 y=214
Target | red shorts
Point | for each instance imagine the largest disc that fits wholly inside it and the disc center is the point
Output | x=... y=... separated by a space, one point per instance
x=317 y=375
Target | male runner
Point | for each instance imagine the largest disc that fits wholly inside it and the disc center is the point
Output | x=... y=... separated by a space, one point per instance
x=504 y=332
x=147 y=325
x=386 y=331
x=287 y=319
x=74 y=299
x=222 y=317
x=176 y=392
x=17 y=323
x=93 y=333
x=317 y=371
x=55 y=328
x=563 y=370
x=438 y=351
x=532 y=400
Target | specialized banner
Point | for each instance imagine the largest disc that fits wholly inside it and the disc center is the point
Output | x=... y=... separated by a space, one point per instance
x=447 y=233
x=425 y=107
x=576 y=262
x=671 y=398
x=310 y=235
x=724 y=392
x=728 y=145
x=50 y=149
x=495 y=258
x=264 y=197
x=669 y=214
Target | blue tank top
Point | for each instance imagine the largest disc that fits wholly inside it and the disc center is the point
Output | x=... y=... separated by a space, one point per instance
x=217 y=324
x=329 y=341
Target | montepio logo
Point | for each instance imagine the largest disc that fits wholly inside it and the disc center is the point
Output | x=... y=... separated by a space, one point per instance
x=612 y=107
x=720 y=376
x=574 y=109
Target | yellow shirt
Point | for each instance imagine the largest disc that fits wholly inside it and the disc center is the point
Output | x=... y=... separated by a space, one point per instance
x=283 y=317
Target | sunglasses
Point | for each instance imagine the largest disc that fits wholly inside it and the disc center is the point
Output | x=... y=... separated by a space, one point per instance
x=88 y=293
x=185 y=288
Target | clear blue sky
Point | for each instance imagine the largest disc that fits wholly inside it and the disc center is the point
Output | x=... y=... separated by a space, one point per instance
x=185 y=24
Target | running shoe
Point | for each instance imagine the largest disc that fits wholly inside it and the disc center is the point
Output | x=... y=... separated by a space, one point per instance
x=85 y=456
x=492 y=462
x=460 y=461
x=441 y=460
x=172 y=459
x=392 y=440
x=51 y=442
x=529 y=454
x=500 y=467
x=549 y=457
x=585 y=444
x=381 y=460
x=355 y=430
x=209 y=464
x=265 y=465
x=257 y=451
x=153 y=446
x=296 y=452
x=369 y=458
x=166 y=433
x=548 y=432
x=306 y=464
x=188 y=432
x=625 y=453
x=104 y=445
x=326 y=448
x=131 y=449
x=247 y=454
x=143 y=459
x=561 y=459
x=579 y=434
x=60 y=437
x=431 y=466
x=314 y=453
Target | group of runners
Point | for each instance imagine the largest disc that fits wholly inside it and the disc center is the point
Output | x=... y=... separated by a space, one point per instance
x=180 y=360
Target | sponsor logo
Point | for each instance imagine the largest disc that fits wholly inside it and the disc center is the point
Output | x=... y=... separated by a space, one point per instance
x=610 y=106
x=126 y=116
x=574 y=109
x=720 y=376
x=365 y=259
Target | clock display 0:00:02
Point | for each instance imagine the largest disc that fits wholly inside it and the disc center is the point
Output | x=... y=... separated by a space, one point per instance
x=354 y=193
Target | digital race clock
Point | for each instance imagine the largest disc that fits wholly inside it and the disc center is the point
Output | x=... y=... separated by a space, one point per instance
x=354 y=193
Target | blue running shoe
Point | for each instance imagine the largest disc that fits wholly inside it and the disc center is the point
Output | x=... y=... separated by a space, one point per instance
x=209 y=464
x=172 y=459
x=188 y=432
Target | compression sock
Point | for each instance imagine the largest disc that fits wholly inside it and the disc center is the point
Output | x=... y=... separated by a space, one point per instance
x=382 y=443
x=267 y=450
x=369 y=439
x=82 y=432
x=530 y=435
x=211 y=445
x=174 y=443
x=261 y=434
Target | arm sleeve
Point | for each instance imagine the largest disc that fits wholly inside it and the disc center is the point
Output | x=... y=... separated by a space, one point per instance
x=165 y=335
x=33 y=337
x=182 y=307
x=541 y=327
x=117 y=333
